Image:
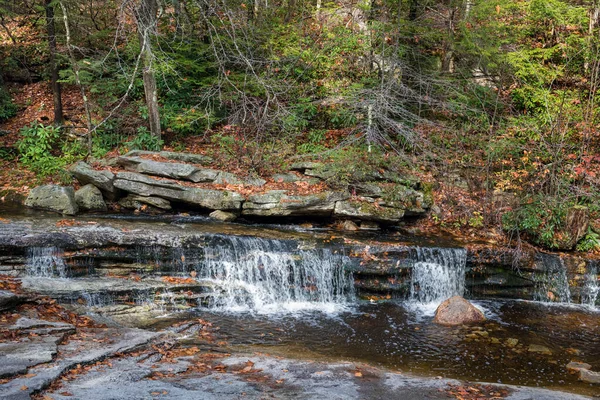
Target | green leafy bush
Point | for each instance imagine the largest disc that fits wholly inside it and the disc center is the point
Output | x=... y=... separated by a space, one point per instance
x=45 y=152
x=144 y=140
x=7 y=107
x=542 y=220
x=590 y=242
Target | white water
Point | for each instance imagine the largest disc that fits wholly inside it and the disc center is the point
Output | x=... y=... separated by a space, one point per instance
x=46 y=262
x=271 y=276
x=552 y=285
x=591 y=287
x=437 y=274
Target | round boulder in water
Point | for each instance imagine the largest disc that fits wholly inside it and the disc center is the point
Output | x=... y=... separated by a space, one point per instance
x=457 y=311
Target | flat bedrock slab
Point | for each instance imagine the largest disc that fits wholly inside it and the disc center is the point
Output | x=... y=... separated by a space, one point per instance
x=17 y=357
x=269 y=377
x=279 y=203
x=173 y=155
x=96 y=345
x=206 y=198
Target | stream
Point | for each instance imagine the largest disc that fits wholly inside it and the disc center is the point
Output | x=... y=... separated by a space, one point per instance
x=310 y=293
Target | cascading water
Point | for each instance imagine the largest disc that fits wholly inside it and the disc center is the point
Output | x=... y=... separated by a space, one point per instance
x=552 y=285
x=269 y=276
x=591 y=287
x=46 y=262
x=437 y=274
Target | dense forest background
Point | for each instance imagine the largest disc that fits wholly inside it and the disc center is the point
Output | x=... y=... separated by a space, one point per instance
x=492 y=103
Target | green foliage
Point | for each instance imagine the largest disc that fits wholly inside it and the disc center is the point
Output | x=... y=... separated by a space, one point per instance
x=7 y=107
x=44 y=150
x=590 y=242
x=314 y=142
x=105 y=139
x=541 y=219
x=144 y=140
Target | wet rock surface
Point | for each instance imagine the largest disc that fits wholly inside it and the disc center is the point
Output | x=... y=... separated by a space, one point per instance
x=254 y=377
x=457 y=311
x=8 y=300
x=17 y=357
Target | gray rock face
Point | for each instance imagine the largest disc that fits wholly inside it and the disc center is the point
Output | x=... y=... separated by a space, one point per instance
x=367 y=211
x=225 y=178
x=278 y=203
x=168 y=170
x=286 y=178
x=589 y=376
x=206 y=198
x=128 y=379
x=349 y=226
x=367 y=189
x=103 y=180
x=172 y=155
x=457 y=311
x=53 y=198
x=8 y=300
x=222 y=216
x=89 y=198
x=17 y=357
x=96 y=345
x=137 y=202
x=304 y=165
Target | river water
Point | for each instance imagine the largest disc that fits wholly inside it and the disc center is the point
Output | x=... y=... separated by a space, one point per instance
x=273 y=292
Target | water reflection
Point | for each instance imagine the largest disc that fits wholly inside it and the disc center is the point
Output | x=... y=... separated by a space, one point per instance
x=522 y=343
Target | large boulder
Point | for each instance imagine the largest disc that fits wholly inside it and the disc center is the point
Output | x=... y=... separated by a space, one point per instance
x=279 y=203
x=89 y=198
x=225 y=178
x=137 y=202
x=103 y=180
x=173 y=155
x=206 y=198
x=457 y=311
x=53 y=198
x=168 y=169
x=589 y=376
x=367 y=211
x=223 y=216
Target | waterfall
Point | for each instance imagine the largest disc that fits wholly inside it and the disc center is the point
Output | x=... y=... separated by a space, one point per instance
x=46 y=262
x=267 y=276
x=437 y=274
x=552 y=285
x=591 y=287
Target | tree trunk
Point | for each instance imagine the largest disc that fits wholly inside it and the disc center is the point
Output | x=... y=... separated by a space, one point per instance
x=56 y=91
x=413 y=11
x=86 y=104
x=146 y=22
x=593 y=22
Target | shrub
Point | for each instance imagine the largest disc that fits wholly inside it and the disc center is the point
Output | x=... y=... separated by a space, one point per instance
x=7 y=107
x=144 y=140
x=37 y=145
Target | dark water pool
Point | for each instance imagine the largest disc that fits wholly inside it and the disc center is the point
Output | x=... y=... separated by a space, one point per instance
x=522 y=343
